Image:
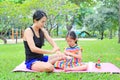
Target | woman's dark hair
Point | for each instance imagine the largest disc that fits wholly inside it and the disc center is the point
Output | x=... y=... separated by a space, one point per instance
x=38 y=15
x=72 y=35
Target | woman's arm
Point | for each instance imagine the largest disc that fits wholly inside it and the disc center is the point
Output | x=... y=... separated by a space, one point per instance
x=49 y=39
x=28 y=36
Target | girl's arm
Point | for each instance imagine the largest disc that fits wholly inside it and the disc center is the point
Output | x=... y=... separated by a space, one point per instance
x=79 y=55
x=28 y=36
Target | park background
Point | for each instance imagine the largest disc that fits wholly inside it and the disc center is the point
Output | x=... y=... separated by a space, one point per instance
x=96 y=23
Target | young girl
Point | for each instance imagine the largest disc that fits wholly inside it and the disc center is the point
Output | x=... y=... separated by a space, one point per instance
x=73 y=55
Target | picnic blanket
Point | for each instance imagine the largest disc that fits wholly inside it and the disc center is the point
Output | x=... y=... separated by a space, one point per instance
x=105 y=68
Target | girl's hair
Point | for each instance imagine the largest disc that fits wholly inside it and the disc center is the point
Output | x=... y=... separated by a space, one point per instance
x=72 y=35
x=38 y=15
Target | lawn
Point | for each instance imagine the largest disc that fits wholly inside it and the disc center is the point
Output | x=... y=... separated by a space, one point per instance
x=1 y=42
x=107 y=50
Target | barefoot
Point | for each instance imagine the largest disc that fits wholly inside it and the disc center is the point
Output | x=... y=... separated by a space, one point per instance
x=65 y=70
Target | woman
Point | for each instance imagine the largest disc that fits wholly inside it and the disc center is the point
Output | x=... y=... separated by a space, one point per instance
x=33 y=42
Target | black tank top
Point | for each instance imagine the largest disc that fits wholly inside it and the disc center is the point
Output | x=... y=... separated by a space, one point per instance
x=39 y=42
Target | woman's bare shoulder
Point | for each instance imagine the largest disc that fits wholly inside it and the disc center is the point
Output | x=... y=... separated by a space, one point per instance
x=27 y=32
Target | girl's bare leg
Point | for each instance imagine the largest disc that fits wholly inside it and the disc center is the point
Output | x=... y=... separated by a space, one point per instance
x=78 y=68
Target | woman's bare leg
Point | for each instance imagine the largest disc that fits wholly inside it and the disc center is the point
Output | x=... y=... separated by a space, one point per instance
x=42 y=66
x=56 y=57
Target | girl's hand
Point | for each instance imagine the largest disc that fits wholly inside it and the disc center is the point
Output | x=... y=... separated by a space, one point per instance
x=68 y=57
x=67 y=53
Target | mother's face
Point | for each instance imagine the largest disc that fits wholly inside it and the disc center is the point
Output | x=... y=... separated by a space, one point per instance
x=41 y=22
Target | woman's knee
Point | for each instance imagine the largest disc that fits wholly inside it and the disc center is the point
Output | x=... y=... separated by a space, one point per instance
x=49 y=67
x=42 y=67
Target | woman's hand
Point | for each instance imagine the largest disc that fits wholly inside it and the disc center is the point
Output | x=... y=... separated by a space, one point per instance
x=58 y=52
x=60 y=55
x=55 y=50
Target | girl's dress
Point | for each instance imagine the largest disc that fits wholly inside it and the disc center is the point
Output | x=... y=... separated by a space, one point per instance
x=73 y=62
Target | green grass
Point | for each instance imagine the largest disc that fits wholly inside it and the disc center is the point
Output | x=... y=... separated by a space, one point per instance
x=1 y=41
x=108 y=50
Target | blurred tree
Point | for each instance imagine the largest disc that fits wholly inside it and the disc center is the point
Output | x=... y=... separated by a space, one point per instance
x=82 y=12
x=110 y=17
x=85 y=8
x=78 y=2
x=103 y=18
x=55 y=9
x=18 y=13
x=10 y=17
x=6 y=18
x=119 y=25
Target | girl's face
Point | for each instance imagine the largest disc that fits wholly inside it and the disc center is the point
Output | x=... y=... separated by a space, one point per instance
x=41 y=22
x=71 y=42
